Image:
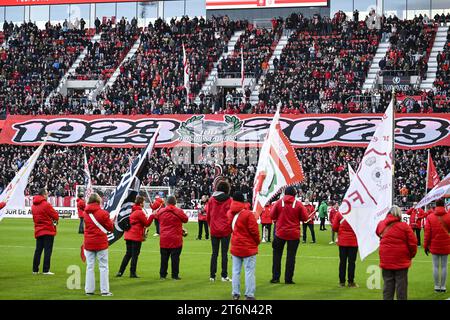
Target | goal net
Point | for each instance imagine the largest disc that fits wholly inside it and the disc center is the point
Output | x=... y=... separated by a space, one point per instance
x=148 y=192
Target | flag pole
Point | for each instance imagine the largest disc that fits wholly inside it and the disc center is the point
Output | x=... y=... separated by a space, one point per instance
x=394 y=105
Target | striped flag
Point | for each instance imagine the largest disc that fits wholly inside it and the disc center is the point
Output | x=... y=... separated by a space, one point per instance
x=186 y=70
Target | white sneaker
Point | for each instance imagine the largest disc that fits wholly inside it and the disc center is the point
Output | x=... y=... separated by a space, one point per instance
x=156 y=235
x=35 y=272
x=226 y=279
x=49 y=273
x=212 y=279
x=331 y=242
x=107 y=294
x=263 y=240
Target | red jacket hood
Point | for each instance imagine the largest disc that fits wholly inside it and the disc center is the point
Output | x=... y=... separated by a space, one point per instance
x=38 y=199
x=237 y=207
x=288 y=199
x=390 y=218
x=136 y=207
x=92 y=207
x=439 y=211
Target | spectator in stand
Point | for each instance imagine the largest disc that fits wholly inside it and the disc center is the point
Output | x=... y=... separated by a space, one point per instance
x=287 y=213
x=266 y=223
x=348 y=250
x=171 y=221
x=134 y=237
x=397 y=248
x=45 y=219
x=202 y=221
x=415 y=220
x=95 y=244
x=323 y=214
x=216 y=215
x=309 y=223
x=437 y=241
x=81 y=205
x=333 y=212
x=244 y=246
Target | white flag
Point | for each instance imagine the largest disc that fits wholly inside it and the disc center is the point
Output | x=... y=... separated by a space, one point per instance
x=88 y=181
x=14 y=194
x=441 y=190
x=369 y=196
x=351 y=172
x=186 y=73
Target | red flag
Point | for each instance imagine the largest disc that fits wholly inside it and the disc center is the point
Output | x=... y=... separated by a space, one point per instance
x=432 y=175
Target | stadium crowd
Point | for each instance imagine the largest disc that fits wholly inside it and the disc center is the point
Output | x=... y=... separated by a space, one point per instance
x=191 y=174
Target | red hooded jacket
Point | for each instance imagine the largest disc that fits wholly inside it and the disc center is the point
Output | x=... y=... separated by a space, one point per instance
x=288 y=217
x=171 y=221
x=94 y=238
x=415 y=217
x=265 y=216
x=245 y=235
x=216 y=215
x=43 y=216
x=398 y=244
x=139 y=222
x=346 y=236
x=81 y=205
x=436 y=238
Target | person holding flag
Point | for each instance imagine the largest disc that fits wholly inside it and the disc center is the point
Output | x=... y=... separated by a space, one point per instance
x=81 y=205
x=416 y=217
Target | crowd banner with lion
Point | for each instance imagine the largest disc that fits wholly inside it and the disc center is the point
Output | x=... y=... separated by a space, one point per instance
x=413 y=131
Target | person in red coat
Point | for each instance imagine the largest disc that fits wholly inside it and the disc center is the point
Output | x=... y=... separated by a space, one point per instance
x=216 y=215
x=437 y=241
x=398 y=246
x=158 y=204
x=266 y=223
x=348 y=249
x=287 y=213
x=202 y=222
x=244 y=246
x=45 y=219
x=134 y=237
x=333 y=212
x=97 y=225
x=309 y=223
x=81 y=205
x=416 y=217
x=171 y=221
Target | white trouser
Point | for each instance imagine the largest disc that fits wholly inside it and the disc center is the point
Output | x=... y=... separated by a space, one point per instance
x=102 y=257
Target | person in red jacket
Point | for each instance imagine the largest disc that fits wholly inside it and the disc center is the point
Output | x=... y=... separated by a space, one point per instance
x=437 y=241
x=287 y=213
x=398 y=246
x=333 y=212
x=45 y=219
x=348 y=249
x=81 y=205
x=158 y=204
x=171 y=221
x=266 y=223
x=220 y=229
x=134 y=237
x=244 y=246
x=416 y=217
x=309 y=223
x=97 y=225
x=202 y=223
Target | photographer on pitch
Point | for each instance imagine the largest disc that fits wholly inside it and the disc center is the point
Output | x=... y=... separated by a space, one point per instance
x=45 y=219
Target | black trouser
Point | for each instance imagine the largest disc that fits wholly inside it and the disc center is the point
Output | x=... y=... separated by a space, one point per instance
x=174 y=255
x=322 y=224
x=278 y=247
x=418 y=236
x=395 y=281
x=157 y=226
x=215 y=243
x=267 y=227
x=202 y=224
x=43 y=243
x=311 y=228
x=81 y=227
x=347 y=254
x=133 y=251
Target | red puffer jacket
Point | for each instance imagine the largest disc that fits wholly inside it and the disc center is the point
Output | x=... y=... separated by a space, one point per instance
x=398 y=244
x=139 y=222
x=346 y=236
x=43 y=216
x=94 y=238
x=415 y=217
x=245 y=235
x=287 y=219
x=2 y=205
x=216 y=215
x=436 y=238
x=311 y=210
x=265 y=216
x=171 y=221
x=81 y=205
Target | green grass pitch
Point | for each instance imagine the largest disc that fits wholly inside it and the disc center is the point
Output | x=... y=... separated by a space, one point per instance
x=316 y=271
